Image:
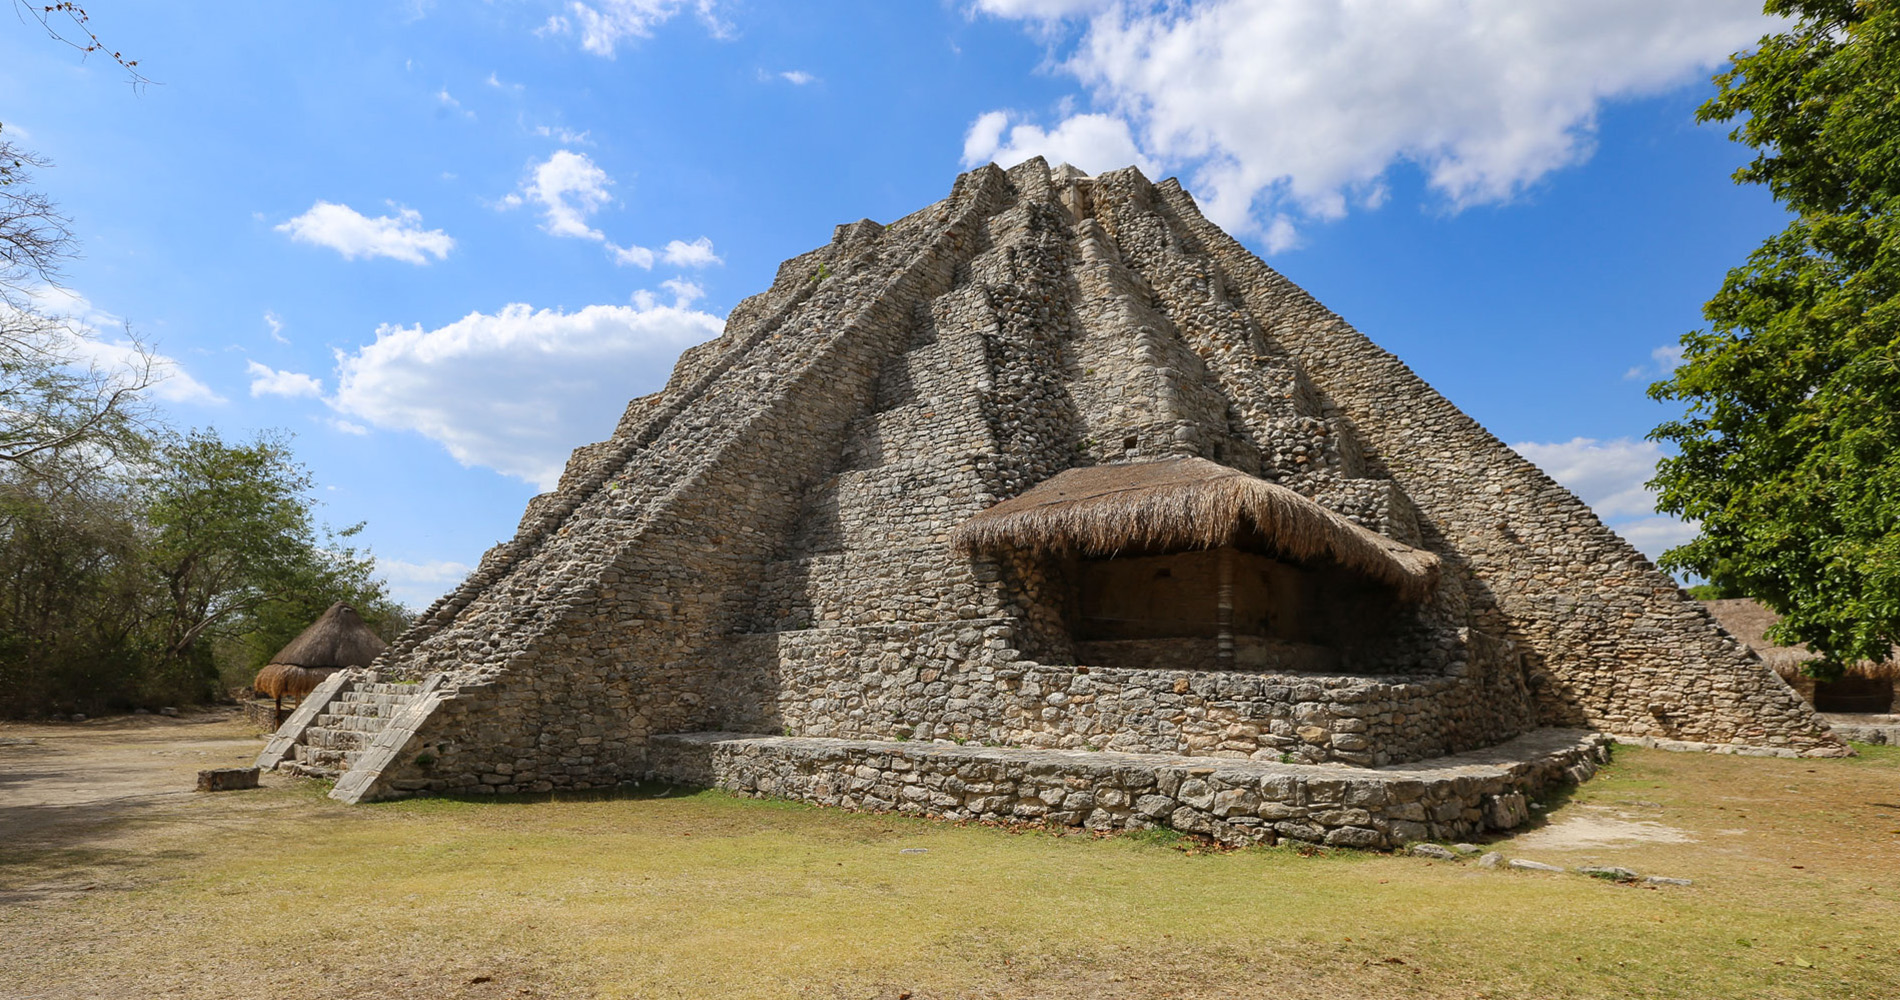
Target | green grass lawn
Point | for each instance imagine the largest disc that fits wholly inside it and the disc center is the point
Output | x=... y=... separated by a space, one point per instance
x=282 y=893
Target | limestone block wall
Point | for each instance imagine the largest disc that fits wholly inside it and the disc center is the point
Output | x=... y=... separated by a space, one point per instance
x=1236 y=802
x=967 y=681
x=1609 y=641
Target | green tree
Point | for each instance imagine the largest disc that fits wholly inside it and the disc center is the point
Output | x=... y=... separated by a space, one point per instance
x=1789 y=452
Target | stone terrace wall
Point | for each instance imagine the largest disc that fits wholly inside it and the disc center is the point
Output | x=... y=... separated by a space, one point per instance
x=967 y=681
x=1610 y=642
x=1238 y=802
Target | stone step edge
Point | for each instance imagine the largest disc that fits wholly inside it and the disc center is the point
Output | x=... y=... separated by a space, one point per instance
x=1234 y=801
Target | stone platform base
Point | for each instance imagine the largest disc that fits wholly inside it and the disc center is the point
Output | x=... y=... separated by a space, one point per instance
x=1883 y=730
x=1234 y=801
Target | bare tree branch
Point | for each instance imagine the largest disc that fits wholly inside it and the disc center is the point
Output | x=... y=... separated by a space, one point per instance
x=69 y=23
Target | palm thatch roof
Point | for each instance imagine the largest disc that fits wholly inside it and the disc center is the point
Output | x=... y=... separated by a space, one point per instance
x=1181 y=504
x=1749 y=620
x=337 y=639
x=282 y=680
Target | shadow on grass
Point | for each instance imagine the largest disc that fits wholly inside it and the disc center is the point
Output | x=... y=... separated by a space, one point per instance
x=632 y=792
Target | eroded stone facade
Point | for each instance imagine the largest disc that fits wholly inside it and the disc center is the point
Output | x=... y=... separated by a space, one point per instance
x=764 y=546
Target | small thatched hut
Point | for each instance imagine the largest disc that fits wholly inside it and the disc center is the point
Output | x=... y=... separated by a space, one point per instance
x=337 y=639
x=1867 y=687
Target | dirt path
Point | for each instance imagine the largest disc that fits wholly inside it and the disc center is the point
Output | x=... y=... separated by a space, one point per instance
x=69 y=783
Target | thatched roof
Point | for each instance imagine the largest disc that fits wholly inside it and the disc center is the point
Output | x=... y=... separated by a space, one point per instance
x=282 y=680
x=1181 y=504
x=1749 y=620
x=337 y=639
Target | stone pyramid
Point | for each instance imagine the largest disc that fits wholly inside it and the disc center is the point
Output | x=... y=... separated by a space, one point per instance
x=1052 y=466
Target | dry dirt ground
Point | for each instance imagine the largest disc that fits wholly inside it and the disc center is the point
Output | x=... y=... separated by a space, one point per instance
x=117 y=880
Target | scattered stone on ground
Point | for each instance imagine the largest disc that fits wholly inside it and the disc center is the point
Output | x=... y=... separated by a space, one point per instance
x=1433 y=851
x=227 y=779
x=1611 y=872
x=1660 y=880
x=1491 y=860
x=1532 y=866
x=1467 y=849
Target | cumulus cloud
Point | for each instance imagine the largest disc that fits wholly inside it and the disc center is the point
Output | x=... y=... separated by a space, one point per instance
x=77 y=327
x=418 y=584
x=267 y=381
x=352 y=234
x=518 y=389
x=569 y=188
x=698 y=253
x=1610 y=476
x=604 y=24
x=797 y=77
x=1282 y=108
x=1093 y=142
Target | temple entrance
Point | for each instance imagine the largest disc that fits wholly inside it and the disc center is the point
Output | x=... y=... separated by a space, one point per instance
x=1222 y=608
x=1183 y=564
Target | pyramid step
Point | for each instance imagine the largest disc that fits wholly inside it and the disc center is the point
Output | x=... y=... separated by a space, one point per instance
x=359 y=723
x=337 y=739
x=1235 y=801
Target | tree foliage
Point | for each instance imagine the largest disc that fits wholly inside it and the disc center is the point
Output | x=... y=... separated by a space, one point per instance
x=1790 y=446
x=135 y=562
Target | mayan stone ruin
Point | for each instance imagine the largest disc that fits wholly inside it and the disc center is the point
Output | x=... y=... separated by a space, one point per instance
x=1051 y=502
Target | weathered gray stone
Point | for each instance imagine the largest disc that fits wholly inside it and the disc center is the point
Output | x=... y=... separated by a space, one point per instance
x=1661 y=880
x=1532 y=866
x=766 y=545
x=1491 y=859
x=1609 y=872
x=225 y=779
x=1433 y=851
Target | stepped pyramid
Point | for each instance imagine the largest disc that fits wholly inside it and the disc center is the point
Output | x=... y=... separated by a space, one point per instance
x=1052 y=466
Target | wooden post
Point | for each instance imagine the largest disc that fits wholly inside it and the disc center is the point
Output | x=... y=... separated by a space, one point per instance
x=1224 y=612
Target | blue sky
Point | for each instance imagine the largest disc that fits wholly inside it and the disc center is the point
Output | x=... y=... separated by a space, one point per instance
x=443 y=244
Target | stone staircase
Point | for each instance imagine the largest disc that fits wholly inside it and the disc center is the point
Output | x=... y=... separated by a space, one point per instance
x=336 y=724
x=346 y=727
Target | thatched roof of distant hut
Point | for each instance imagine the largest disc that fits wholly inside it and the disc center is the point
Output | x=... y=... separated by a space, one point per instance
x=337 y=639
x=1749 y=620
x=1181 y=504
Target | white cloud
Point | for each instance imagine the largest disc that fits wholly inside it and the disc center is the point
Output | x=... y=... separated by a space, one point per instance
x=267 y=381
x=1093 y=142
x=78 y=331
x=1610 y=476
x=352 y=234
x=604 y=24
x=448 y=100
x=698 y=253
x=797 y=77
x=516 y=390
x=631 y=256
x=1666 y=358
x=418 y=584
x=563 y=134
x=276 y=327
x=1281 y=107
x=347 y=426
x=685 y=293
x=569 y=187
x=1040 y=8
